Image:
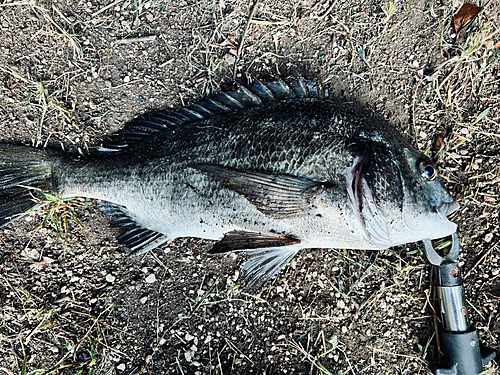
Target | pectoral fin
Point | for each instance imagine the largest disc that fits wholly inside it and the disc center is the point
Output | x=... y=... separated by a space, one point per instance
x=278 y=196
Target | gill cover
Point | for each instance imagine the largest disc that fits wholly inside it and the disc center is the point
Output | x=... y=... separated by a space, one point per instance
x=372 y=182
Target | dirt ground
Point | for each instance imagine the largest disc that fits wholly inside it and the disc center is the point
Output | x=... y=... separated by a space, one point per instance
x=72 y=72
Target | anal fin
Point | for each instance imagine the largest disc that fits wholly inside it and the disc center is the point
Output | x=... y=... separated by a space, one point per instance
x=267 y=253
x=138 y=239
x=262 y=264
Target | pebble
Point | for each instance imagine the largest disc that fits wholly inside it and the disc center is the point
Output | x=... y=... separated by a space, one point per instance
x=188 y=337
x=33 y=254
x=143 y=300
x=230 y=59
x=126 y=79
x=121 y=367
x=488 y=237
x=151 y=278
x=110 y=278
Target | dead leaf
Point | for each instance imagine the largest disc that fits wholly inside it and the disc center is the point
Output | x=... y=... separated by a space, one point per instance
x=498 y=45
x=42 y=264
x=465 y=16
x=489 y=199
x=438 y=142
x=489 y=44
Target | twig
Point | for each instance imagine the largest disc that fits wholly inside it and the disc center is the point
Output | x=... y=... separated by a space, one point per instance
x=242 y=40
x=235 y=348
x=6 y=371
x=148 y=38
x=106 y=8
x=328 y=11
x=479 y=261
x=377 y=350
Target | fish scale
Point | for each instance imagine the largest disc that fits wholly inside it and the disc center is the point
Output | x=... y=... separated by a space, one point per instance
x=270 y=169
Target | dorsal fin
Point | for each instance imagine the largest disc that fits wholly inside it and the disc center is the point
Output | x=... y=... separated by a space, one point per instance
x=156 y=123
x=137 y=238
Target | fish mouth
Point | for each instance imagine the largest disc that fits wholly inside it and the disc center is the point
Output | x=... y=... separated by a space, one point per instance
x=445 y=209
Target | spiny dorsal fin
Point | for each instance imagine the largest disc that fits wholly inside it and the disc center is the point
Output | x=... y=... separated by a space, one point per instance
x=157 y=123
x=247 y=240
x=279 y=196
x=137 y=238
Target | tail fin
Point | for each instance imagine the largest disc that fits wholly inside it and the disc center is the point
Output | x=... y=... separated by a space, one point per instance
x=21 y=168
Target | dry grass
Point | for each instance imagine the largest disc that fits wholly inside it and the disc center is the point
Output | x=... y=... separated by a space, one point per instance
x=70 y=61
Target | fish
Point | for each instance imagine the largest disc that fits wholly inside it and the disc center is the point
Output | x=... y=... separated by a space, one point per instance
x=268 y=169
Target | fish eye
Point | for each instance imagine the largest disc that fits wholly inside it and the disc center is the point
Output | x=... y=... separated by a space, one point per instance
x=427 y=170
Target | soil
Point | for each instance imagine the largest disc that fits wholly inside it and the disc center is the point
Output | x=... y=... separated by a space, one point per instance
x=73 y=301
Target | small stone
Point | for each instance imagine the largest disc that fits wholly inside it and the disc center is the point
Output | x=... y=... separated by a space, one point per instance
x=110 y=278
x=188 y=337
x=121 y=367
x=344 y=329
x=488 y=237
x=151 y=278
x=230 y=59
x=32 y=253
x=126 y=79
x=143 y=300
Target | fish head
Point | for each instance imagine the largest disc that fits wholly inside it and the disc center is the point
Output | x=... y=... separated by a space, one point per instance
x=396 y=193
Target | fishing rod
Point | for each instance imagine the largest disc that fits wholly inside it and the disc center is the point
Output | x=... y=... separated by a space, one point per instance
x=459 y=340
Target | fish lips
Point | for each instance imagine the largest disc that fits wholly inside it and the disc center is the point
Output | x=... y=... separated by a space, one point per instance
x=445 y=209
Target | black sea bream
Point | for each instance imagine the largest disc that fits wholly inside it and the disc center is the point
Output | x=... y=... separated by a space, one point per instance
x=269 y=169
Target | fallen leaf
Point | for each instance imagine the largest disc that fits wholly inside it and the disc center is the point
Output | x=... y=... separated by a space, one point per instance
x=498 y=45
x=465 y=16
x=438 y=142
x=42 y=264
x=489 y=44
x=489 y=199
